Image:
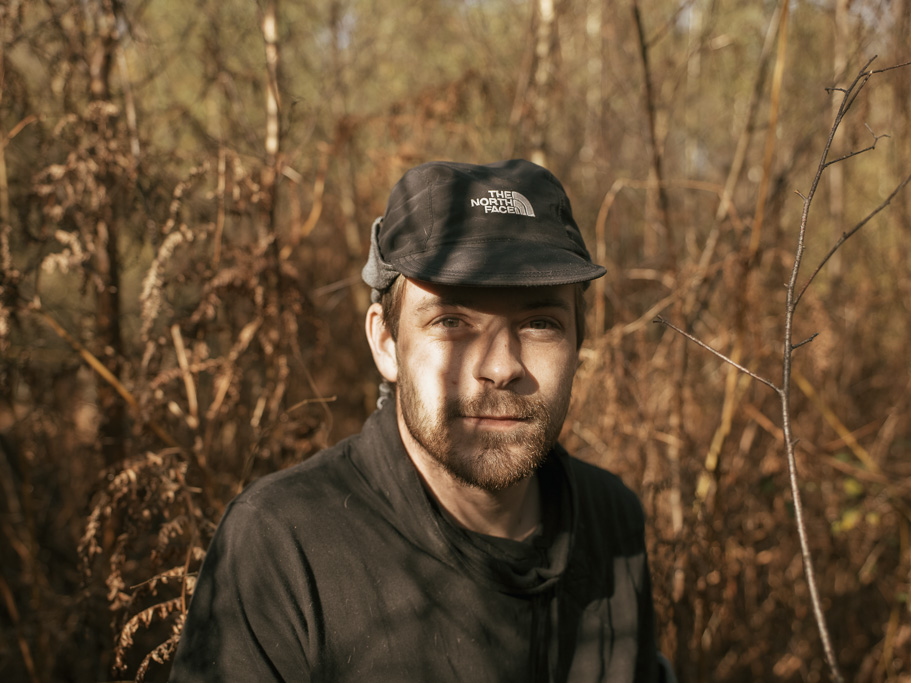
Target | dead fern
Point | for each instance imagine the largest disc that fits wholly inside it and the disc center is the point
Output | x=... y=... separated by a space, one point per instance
x=146 y=518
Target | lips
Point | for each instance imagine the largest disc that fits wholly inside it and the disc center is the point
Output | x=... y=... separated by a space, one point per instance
x=492 y=410
x=512 y=418
x=494 y=422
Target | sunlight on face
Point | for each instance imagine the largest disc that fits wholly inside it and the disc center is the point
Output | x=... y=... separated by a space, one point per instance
x=485 y=376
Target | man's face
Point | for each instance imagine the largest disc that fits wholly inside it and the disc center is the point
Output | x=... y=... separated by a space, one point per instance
x=484 y=377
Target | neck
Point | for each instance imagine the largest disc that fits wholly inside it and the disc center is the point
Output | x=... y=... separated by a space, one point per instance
x=513 y=512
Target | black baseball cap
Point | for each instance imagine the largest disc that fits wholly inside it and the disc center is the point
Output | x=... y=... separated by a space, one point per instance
x=495 y=225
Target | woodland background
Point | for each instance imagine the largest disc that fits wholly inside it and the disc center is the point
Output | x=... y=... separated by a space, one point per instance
x=186 y=190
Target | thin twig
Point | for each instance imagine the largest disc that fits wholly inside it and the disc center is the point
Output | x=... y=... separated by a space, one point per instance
x=851 y=154
x=845 y=236
x=848 y=99
x=183 y=363
x=888 y=68
x=309 y=401
x=850 y=95
x=105 y=374
x=662 y=321
x=805 y=341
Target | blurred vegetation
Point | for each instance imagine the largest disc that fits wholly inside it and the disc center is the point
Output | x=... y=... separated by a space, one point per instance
x=185 y=196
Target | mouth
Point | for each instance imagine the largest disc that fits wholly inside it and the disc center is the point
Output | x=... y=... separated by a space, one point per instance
x=494 y=420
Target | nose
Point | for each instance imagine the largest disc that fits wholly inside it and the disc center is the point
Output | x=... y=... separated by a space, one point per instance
x=500 y=359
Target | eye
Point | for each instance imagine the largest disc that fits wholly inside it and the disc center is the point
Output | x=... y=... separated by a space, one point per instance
x=541 y=324
x=449 y=323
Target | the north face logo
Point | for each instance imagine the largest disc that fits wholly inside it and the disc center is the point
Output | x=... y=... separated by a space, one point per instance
x=504 y=201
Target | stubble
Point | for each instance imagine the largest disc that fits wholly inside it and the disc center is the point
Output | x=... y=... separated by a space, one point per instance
x=491 y=460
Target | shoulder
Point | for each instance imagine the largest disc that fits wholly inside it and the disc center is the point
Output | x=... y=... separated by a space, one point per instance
x=351 y=466
x=303 y=496
x=323 y=474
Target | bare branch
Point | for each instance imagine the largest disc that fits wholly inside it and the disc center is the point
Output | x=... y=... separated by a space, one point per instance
x=845 y=236
x=662 y=321
x=849 y=155
x=805 y=341
x=876 y=139
x=104 y=373
x=850 y=95
x=888 y=68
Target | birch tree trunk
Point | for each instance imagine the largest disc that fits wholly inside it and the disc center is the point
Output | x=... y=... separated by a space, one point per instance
x=545 y=47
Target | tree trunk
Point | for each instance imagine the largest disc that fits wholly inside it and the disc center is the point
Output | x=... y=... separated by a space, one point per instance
x=545 y=48
x=108 y=338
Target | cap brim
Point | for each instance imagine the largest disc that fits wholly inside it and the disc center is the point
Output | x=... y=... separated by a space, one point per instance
x=498 y=265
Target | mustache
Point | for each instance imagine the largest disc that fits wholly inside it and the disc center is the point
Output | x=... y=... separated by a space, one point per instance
x=505 y=404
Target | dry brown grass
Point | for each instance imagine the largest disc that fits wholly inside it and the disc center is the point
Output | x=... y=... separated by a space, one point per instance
x=177 y=322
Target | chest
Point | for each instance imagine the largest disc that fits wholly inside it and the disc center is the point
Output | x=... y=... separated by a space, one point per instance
x=400 y=614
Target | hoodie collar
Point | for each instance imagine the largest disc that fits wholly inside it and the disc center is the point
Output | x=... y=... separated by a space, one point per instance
x=521 y=568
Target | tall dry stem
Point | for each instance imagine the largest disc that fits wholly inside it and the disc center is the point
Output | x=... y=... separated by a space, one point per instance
x=849 y=96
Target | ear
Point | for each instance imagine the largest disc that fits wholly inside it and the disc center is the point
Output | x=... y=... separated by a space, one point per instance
x=382 y=345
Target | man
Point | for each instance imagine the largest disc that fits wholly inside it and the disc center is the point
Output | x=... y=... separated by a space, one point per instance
x=453 y=539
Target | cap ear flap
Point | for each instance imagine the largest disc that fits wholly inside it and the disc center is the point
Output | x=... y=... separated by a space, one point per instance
x=382 y=345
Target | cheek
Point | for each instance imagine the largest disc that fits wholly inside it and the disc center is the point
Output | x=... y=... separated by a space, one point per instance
x=429 y=372
x=436 y=365
x=556 y=372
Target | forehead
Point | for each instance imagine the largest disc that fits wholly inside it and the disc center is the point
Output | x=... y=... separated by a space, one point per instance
x=424 y=296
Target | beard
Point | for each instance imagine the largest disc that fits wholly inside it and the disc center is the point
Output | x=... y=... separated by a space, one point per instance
x=491 y=460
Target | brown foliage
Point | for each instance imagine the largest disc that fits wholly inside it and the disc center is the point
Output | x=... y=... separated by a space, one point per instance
x=180 y=310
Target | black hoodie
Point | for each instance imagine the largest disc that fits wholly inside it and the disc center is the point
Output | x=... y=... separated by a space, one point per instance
x=343 y=569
